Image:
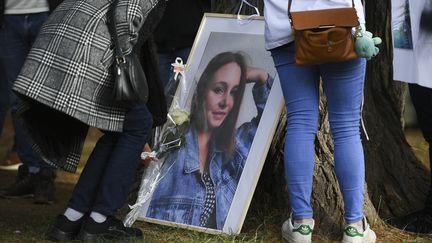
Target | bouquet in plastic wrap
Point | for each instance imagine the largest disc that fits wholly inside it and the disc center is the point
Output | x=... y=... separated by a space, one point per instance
x=166 y=138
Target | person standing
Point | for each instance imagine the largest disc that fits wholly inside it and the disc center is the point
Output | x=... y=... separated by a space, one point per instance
x=66 y=86
x=20 y=22
x=343 y=85
x=175 y=35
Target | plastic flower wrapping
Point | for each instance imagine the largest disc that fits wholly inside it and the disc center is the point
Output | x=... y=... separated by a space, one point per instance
x=166 y=138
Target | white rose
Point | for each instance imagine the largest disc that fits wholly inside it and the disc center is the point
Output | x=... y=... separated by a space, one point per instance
x=179 y=116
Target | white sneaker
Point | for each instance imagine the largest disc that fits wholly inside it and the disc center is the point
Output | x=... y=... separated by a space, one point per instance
x=301 y=233
x=352 y=234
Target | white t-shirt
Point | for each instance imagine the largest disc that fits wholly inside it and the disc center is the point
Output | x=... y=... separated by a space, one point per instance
x=26 y=6
x=277 y=26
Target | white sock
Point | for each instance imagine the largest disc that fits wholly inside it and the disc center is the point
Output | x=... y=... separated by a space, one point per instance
x=99 y=218
x=72 y=214
x=308 y=222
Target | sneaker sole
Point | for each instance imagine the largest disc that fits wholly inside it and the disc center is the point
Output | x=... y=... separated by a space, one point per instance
x=371 y=238
x=286 y=237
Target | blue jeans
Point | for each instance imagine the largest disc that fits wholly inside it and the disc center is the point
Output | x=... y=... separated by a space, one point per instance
x=109 y=173
x=17 y=34
x=343 y=86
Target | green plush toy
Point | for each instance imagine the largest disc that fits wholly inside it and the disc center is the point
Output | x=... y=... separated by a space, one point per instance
x=365 y=44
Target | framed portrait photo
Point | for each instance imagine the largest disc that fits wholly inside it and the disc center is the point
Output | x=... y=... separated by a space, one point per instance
x=235 y=101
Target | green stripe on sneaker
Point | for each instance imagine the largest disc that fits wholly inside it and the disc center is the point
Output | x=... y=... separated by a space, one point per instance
x=303 y=229
x=352 y=232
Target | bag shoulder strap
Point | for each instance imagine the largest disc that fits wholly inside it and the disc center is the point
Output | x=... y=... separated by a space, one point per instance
x=113 y=31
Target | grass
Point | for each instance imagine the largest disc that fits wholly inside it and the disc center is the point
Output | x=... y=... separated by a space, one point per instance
x=22 y=221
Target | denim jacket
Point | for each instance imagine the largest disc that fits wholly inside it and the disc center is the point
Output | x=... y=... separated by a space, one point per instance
x=179 y=197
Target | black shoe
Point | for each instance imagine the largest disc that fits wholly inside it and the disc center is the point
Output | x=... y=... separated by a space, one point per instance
x=63 y=229
x=23 y=187
x=111 y=229
x=45 y=189
x=417 y=222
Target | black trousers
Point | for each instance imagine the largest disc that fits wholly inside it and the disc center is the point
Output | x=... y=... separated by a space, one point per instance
x=422 y=101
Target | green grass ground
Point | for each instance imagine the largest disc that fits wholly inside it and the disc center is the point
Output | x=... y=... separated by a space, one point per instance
x=23 y=221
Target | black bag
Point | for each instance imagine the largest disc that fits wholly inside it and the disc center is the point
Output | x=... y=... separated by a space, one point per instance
x=130 y=83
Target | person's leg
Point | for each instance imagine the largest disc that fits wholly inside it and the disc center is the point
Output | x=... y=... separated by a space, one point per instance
x=105 y=182
x=123 y=162
x=29 y=26
x=117 y=178
x=343 y=86
x=422 y=101
x=4 y=92
x=86 y=189
x=11 y=160
x=420 y=221
x=300 y=86
x=66 y=226
x=18 y=35
x=300 y=89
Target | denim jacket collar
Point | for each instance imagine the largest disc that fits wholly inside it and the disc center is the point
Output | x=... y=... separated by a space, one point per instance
x=191 y=163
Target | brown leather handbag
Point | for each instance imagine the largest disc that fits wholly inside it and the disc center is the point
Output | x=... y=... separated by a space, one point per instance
x=323 y=36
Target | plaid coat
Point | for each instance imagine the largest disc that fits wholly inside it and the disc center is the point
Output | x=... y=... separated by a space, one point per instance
x=68 y=69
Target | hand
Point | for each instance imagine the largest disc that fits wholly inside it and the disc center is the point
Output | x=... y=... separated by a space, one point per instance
x=257 y=75
x=365 y=45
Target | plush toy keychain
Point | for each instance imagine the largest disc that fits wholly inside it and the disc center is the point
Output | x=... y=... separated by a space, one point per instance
x=365 y=44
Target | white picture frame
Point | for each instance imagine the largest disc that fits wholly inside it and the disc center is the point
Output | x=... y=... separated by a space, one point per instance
x=220 y=33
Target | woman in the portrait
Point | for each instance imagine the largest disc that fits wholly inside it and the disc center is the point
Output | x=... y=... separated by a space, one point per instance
x=201 y=177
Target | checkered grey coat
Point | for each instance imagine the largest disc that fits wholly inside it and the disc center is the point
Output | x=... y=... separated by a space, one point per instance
x=68 y=67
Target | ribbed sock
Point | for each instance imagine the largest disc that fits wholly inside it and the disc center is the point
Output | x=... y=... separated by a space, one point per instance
x=72 y=214
x=99 y=218
x=34 y=170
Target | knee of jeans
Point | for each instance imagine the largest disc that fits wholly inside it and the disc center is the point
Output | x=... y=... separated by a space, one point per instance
x=302 y=124
x=344 y=132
